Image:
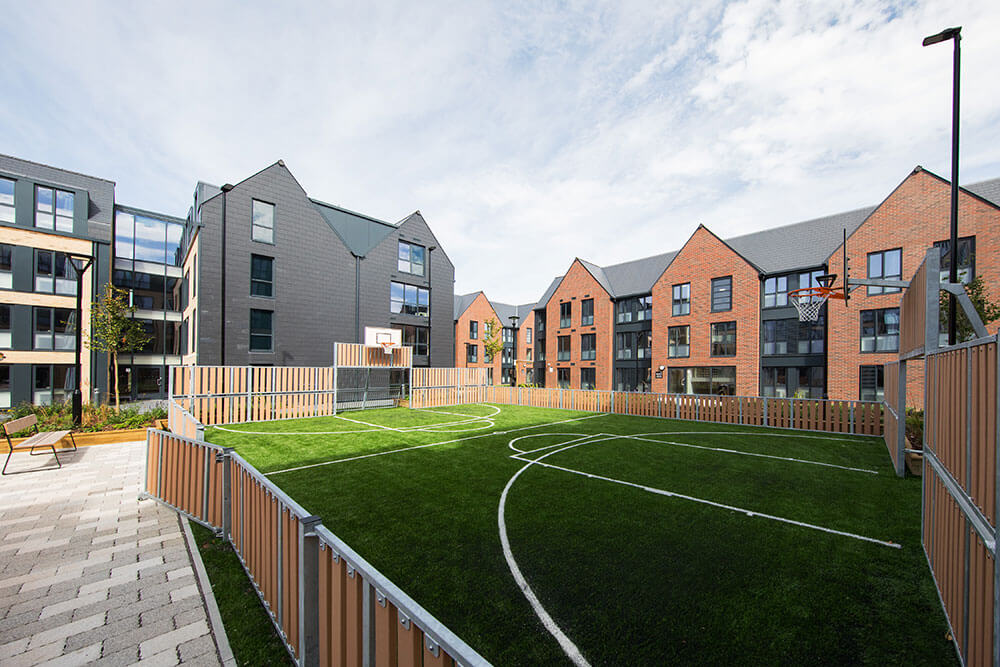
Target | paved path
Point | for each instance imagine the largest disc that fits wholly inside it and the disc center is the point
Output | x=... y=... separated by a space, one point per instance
x=88 y=572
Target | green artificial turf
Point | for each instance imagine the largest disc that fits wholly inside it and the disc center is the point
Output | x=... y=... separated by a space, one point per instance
x=631 y=576
x=251 y=634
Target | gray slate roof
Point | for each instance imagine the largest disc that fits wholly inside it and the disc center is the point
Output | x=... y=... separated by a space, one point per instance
x=505 y=310
x=637 y=276
x=359 y=232
x=548 y=292
x=598 y=274
x=989 y=190
x=463 y=301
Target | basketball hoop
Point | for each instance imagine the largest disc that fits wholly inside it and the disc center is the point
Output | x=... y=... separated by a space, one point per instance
x=809 y=300
x=387 y=346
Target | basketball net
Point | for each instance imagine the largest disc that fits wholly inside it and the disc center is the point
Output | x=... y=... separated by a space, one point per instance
x=808 y=305
x=387 y=346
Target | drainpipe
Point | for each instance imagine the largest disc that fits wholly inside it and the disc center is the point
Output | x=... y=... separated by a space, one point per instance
x=222 y=310
x=357 y=298
x=430 y=298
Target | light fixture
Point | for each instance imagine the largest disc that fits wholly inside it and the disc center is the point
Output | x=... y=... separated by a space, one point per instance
x=661 y=368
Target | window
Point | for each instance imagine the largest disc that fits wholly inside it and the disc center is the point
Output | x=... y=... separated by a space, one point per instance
x=872 y=383
x=588 y=346
x=527 y=354
x=147 y=239
x=793 y=337
x=409 y=299
x=54 y=273
x=262 y=223
x=540 y=349
x=793 y=382
x=776 y=292
x=632 y=379
x=565 y=314
x=261 y=275
x=682 y=299
x=722 y=294
x=6 y=266
x=885 y=265
x=55 y=329
x=679 y=341
x=880 y=330
x=563 y=350
x=53 y=209
x=720 y=380
x=562 y=377
x=473 y=329
x=723 y=339
x=418 y=338
x=507 y=335
x=588 y=378
x=4 y=386
x=507 y=356
x=625 y=345
x=471 y=353
x=53 y=384
x=194 y=278
x=635 y=309
x=411 y=258
x=527 y=336
x=6 y=200
x=586 y=312
x=966 y=259
x=643 y=344
x=5 y=326
x=261 y=330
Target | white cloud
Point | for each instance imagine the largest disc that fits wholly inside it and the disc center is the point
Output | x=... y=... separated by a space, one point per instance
x=527 y=134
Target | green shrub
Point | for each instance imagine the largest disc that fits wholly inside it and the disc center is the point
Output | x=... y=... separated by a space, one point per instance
x=59 y=417
x=915 y=427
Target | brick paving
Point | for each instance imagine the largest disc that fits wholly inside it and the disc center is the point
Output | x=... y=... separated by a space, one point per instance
x=89 y=572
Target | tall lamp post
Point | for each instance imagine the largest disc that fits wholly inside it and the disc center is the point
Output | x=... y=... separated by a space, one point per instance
x=80 y=264
x=954 y=34
x=513 y=323
x=430 y=288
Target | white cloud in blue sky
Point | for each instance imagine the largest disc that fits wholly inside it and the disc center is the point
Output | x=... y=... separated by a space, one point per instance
x=527 y=133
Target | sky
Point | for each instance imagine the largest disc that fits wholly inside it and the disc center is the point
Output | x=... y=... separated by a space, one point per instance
x=526 y=133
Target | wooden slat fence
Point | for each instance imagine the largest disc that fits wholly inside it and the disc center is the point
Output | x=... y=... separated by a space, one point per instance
x=356 y=355
x=329 y=605
x=430 y=387
x=894 y=434
x=960 y=505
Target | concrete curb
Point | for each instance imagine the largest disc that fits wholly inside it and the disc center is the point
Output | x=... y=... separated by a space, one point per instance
x=214 y=618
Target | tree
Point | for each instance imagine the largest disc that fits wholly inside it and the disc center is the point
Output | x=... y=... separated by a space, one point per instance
x=989 y=311
x=492 y=344
x=112 y=329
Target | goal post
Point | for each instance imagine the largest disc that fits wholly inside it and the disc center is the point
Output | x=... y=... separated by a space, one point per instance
x=371 y=376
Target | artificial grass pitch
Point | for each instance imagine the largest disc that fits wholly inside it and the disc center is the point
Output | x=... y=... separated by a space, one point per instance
x=754 y=559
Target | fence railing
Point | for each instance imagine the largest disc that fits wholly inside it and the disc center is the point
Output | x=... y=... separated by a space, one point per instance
x=894 y=400
x=831 y=416
x=918 y=317
x=329 y=605
x=960 y=501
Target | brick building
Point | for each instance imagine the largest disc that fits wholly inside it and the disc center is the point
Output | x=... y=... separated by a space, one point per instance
x=513 y=364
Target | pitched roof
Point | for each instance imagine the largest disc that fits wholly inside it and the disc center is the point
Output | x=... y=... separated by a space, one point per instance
x=359 y=232
x=989 y=190
x=505 y=311
x=638 y=275
x=598 y=274
x=549 y=291
x=463 y=301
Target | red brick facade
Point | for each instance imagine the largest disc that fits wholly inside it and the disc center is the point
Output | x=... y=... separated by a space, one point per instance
x=913 y=217
x=703 y=258
x=480 y=311
x=524 y=353
x=577 y=285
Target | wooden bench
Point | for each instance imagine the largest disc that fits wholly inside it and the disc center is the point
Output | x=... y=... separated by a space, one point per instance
x=43 y=439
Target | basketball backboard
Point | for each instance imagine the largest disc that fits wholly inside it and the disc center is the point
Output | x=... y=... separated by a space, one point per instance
x=383 y=337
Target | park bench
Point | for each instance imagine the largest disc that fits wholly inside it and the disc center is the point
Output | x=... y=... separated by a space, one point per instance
x=43 y=439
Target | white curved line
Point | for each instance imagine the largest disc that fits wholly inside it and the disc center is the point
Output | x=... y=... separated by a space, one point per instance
x=540 y=435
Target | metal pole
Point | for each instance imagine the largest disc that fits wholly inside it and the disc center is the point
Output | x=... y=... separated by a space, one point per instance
x=953 y=271
x=78 y=364
x=308 y=591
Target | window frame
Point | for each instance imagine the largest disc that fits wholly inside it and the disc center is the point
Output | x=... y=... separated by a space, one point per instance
x=879 y=370
x=563 y=383
x=585 y=353
x=473 y=329
x=713 y=343
x=672 y=345
x=586 y=319
x=779 y=293
x=561 y=354
x=260 y=281
x=565 y=314
x=971 y=254
x=680 y=305
x=592 y=372
x=728 y=291
x=259 y=334
x=254 y=225
x=876 y=289
x=68 y=334
x=6 y=259
x=878 y=315
x=409 y=258
x=471 y=353
x=68 y=274
x=53 y=214
x=8 y=210
x=421 y=310
x=6 y=331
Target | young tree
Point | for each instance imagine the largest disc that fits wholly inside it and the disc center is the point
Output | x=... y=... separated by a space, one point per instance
x=989 y=311
x=112 y=329
x=492 y=344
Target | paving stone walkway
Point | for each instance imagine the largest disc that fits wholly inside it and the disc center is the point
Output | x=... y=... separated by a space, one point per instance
x=88 y=572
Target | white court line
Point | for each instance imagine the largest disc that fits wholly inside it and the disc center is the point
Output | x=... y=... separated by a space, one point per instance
x=361 y=423
x=638 y=436
x=429 y=428
x=542 y=435
x=433 y=444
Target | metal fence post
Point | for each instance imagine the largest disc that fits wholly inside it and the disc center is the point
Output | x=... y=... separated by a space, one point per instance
x=996 y=514
x=308 y=592
x=852 y=416
x=367 y=622
x=901 y=420
x=560 y=397
x=765 y=411
x=677 y=408
x=740 y=401
x=791 y=411
x=224 y=457
x=626 y=404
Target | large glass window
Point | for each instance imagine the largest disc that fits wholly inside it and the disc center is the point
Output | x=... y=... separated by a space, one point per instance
x=632 y=379
x=722 y=294
x=147 y=239
x=507 y=335
x=471 y=353
x=411 y=258
x=681 y=299
x=563 y=350
x=55 y=328
x=540 y=349
x=679 y=341
x=885 y=265
x=6 y=266
x=588 y=378
x=6 y=200
x=54 y=273
x=625 y=345
x=586 y=312
x=720 y=380
x=776 y=292
x=53 y=384
x=966 y=259
x=5 y=339
x=880 y=330
x=794 y=382
x=53 y=209
x=527 y=336
x=261 y=275
x=872 y=383
x=473 y=329
x=636 y=309
x=5 y=386
x=565 y=314
x=261 y=330
x=409 y=299
x=723 y=339
x=793 y=337
x=262 y=224
x=588 y=347
x=418 y=338
x=562 y=377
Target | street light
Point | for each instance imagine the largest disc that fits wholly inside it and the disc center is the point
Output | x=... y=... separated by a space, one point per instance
x=513 y=323
x=80 y=264
x=943 y=36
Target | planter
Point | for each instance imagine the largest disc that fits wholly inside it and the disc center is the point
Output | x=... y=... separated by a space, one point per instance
x=98 y=438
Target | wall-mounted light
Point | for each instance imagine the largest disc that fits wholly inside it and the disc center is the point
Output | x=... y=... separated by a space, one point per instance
x=550 y=368
x=661 y=368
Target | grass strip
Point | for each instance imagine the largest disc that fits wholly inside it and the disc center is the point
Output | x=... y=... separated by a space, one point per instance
x=252 y=636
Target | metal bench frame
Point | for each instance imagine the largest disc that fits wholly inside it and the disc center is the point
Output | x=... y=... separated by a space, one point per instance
x=44 y=439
